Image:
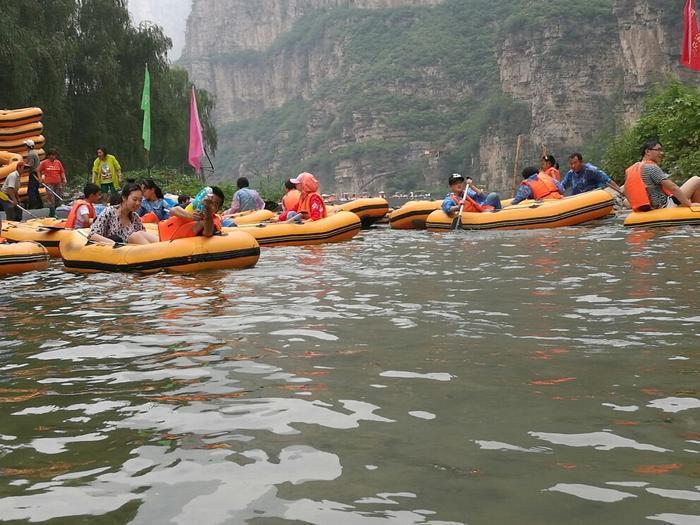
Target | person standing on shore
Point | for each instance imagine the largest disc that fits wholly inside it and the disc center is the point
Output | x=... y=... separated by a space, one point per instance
x=106 y=172
x=32 y=162
x=11 y=188
x=54 y=176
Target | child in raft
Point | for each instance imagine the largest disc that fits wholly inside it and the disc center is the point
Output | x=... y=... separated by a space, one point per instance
x=198 y=218
x=537 y=185
x=311 y=206
x=82 y=211
x=453 y=201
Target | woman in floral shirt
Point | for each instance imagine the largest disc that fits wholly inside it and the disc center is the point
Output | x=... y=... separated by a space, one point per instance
x=121 y=224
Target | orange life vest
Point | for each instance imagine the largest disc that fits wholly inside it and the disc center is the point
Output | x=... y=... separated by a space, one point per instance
x=180 y=228
x=150 y=218
x=636 y=190
x=552 y=172
x=73 y=214
x=290 y=201
x=305 y=206
x=470 y=205
x=543 y=187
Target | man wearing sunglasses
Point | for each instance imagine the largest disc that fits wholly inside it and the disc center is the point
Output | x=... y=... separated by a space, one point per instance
x=648 y=188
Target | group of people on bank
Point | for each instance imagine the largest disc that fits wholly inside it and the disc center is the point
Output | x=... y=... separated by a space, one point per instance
x=646 y=186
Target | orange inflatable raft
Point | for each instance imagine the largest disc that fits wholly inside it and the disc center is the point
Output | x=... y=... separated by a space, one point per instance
x=22 y=257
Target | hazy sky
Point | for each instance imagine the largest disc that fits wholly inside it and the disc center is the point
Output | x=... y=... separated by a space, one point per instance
x=171 y=15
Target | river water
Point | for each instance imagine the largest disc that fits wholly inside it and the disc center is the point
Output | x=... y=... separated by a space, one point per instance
x=538 y=377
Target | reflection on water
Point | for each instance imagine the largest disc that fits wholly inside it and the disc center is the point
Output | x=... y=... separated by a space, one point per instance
x=403 y=377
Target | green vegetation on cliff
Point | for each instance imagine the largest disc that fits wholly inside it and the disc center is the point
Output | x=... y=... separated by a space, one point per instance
x=413 y=74
x=669 y=115
x=82 y=62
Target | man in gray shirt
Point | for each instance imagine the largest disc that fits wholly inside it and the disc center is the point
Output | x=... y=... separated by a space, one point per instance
x=661 y=190
x=32 y=162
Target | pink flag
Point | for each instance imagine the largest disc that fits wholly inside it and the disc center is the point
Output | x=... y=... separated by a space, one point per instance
x=690 y=53
x=196 y=142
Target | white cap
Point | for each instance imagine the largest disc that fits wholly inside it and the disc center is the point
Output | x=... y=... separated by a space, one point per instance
x=29 y=143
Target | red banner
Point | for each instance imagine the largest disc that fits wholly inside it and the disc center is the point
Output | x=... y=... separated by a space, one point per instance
x=690 y=54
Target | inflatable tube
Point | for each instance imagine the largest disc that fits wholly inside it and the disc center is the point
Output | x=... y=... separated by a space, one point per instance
x=22 y=257
x=412 y=215
x=250 y=217
x=18 y=145
x=19 y=117
x=569 y=211
x=20 y=132
x=338 y=227
x=681 y=216
x=37 y=230
x=237 y=249
x=368 y=210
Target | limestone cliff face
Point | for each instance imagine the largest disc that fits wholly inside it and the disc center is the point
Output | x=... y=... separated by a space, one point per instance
x=244 y=24
x=575 y=85
x=573 y=81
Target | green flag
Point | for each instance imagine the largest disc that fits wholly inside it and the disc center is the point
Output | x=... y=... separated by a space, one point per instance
x=146 y=108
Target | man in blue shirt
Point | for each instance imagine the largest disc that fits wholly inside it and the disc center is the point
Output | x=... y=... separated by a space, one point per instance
x=582 y=178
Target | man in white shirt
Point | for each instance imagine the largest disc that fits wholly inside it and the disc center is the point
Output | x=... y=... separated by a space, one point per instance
x=11 y=188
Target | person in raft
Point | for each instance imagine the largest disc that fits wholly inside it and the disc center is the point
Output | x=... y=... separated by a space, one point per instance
x=311 y=206
x=537 y=185
x=647 y=187
x=453 y=201
x=198 y=218
x=153 y=208
x=121 y=224
x=54 y=176
x=245 y=199
x=549 y=166
x=492 y=199
x=582 y=178
x=290 y=201
x=106 y=172
x=82 y=212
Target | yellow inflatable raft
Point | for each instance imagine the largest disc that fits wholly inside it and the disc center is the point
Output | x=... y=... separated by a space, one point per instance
x=47 y=232
x=19 y=117
x=569 y=211
x=338 y=227
x=22 y=257
x=368 y=210
x=236 y=249
x=251 y=217
x=681 y=216
x=18 y=145
x=20 y=132
x=412 y=215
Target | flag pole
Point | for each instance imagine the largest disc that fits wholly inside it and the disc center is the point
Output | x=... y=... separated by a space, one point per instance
x=146 y=108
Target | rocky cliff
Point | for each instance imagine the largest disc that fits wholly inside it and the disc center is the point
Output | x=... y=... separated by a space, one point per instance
x=395 y=93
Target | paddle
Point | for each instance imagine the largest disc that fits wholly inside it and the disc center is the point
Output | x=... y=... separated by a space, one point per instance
x=458 y=218
x=5 y=197
x=54 y=193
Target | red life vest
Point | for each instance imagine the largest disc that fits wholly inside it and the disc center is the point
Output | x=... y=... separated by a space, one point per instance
x=180 y=228
x=636 y=190
x=470 y=205
x=305 y=206
x=290 y=201
x=552 y=172
x=543 y=187
x=73 y=214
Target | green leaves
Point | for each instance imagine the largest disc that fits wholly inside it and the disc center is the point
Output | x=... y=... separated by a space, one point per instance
x=82 y=62
x=670 y=115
